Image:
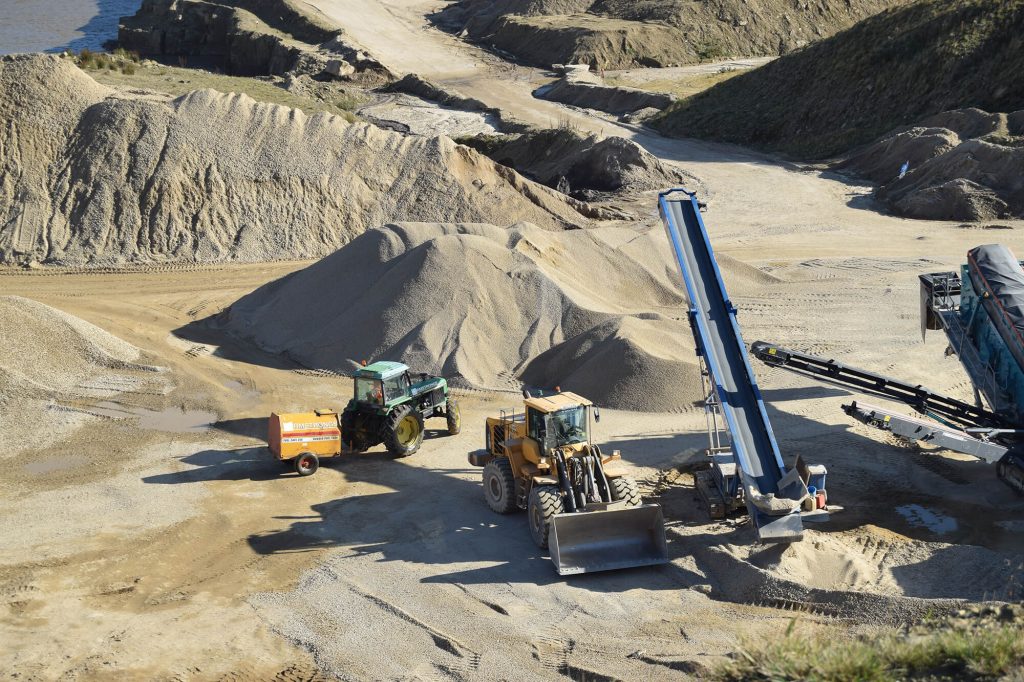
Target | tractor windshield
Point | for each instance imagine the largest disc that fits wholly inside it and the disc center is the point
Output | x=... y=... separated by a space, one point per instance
x=569 y=426
x=369 y=391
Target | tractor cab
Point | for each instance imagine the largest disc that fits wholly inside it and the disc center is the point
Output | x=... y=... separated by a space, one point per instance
x=381 y=383
x=385 y=384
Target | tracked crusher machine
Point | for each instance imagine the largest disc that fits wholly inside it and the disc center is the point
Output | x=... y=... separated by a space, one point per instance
x=579 y=503
x=981 y=311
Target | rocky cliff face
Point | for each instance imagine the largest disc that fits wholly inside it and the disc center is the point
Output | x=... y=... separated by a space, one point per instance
x=89 y=175
x=614 y=34
x=274 y=38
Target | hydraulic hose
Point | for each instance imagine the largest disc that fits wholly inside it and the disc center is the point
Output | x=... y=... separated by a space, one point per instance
x=565 y=483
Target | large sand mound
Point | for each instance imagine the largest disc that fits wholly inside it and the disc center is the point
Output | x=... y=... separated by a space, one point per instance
x=586 y=310
x=89 y=175
x=48 y=357
x=963 y=165
x=631 y=362
x=573 y=162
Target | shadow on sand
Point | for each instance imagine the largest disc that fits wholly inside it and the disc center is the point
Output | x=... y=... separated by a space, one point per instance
x=424 y=515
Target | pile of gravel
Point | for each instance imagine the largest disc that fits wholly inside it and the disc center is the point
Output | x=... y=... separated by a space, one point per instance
x=89 y=175
x=486 y=306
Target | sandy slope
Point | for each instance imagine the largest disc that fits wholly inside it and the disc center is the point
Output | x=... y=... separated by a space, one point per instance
x=483 y=305
x=93 y=175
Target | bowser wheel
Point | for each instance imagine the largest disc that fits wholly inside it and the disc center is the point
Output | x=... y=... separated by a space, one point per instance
x=306 y=464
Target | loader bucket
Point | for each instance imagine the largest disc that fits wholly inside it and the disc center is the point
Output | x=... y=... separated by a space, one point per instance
x=585 y=542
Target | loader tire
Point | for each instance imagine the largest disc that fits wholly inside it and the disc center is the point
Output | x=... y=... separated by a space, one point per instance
x=306 y=464
x=453 y=416
x=500 y=486
x=403 y=431
x=625 y=488
x=545 y=502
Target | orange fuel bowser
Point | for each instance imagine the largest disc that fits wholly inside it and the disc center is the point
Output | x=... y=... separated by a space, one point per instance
x=304 y=438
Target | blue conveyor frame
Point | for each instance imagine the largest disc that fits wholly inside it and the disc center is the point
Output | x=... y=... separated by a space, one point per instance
x=718 y=339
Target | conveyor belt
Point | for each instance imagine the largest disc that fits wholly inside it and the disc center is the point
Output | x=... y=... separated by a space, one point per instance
x=717 y=334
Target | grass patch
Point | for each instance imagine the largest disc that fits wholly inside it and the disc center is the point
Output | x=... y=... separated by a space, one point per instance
x=709 y=51
x=177 y=81
x=119 y=60
x=937 y=652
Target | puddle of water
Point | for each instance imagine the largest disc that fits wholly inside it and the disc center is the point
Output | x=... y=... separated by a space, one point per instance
x=172 y=419
x=916 y=515
x=177 y=420
x=51 y=464
x=241 y=389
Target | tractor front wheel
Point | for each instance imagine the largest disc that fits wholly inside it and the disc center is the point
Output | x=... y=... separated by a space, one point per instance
x=453 y=416
x=403 y=431
x=625 y=488
x=500 y=486
x=306 y=464
x=545 y=502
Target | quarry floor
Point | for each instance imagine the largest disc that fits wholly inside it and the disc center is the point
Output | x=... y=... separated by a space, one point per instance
x=202 y=558
x=382 y=569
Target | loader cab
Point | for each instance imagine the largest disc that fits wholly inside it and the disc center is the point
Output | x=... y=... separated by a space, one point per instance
x=557 y=420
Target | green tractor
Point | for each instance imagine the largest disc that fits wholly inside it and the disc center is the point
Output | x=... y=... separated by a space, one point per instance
x=390 y=407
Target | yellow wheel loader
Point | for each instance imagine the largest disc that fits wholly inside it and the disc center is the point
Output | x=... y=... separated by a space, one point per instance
x=580 y=505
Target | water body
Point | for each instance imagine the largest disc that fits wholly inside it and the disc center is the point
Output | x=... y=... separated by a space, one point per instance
x=58 y=25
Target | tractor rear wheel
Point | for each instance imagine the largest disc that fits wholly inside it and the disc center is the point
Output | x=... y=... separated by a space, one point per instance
x=625 y=488
x=353 y=431
x=306 y=464
x=453 y=416
x=500 y=486
x=545 y=502
x=403 y=431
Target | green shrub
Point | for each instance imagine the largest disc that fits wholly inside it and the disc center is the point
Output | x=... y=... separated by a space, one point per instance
x=709 y=50
x=86 y=59
x=945 y=653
